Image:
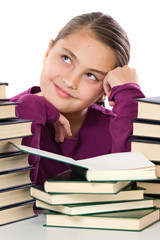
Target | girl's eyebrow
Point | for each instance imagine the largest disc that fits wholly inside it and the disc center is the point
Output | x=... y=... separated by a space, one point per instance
x=98 y=71
x=71 y=53
x=89 y=69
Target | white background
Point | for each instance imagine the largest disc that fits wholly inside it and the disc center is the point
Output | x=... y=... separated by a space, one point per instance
x=26 y=26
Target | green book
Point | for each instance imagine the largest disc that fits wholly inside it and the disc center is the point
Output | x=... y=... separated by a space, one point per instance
x=110 y=167
x=90 y=208
x=71 y=182
x=134 y=220
x=130 y=193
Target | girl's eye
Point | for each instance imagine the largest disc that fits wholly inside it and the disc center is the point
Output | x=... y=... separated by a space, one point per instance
x=91 y=76
x=66 y=59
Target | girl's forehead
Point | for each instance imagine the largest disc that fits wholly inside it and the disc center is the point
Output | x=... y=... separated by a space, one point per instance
x=84 y=41
x=85 y=46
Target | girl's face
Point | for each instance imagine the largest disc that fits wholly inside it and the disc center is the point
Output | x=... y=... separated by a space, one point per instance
x=73 y=72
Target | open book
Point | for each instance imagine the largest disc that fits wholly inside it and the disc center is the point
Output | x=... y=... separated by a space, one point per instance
x=109 y=167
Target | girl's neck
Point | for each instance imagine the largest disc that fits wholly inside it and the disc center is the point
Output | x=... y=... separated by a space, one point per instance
x=76 y=120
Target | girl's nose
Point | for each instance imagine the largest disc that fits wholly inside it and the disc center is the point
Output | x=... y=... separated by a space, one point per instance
x=71 y=80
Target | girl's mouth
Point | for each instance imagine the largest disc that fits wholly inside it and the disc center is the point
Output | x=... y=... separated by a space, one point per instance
x=62 y=92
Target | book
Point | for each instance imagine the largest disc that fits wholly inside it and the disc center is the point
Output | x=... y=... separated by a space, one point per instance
x=15 y=128
x=132 y=192
x=15 y=178
x=91 y=208
x=77 y=184
x=157 y=169
x=133 y=220
x=150 y=147
x=5 y=147
x=16 y=213
x=3 y=95
x=109 y=167
x=150 y=187
x=7 y=110
x=84 y=186
x=149 y=108
x=156 y=199
x=146 y=128
x=15 y=195
x=13 y=161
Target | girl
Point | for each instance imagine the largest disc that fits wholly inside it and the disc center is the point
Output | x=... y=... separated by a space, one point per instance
x=86 y=62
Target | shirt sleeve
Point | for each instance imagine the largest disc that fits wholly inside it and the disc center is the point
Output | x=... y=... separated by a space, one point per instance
x=125 y=110
x=36 y=108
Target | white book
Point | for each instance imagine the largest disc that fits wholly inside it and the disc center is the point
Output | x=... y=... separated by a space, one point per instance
x=109 y=167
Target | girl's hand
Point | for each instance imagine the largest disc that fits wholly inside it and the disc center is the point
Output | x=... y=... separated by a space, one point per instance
x=119 y=76
x=62 y=126
x=62 y=129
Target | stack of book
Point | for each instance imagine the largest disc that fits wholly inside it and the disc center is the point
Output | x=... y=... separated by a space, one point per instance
x=106 y=198
x=15 y=200
x=146 y=139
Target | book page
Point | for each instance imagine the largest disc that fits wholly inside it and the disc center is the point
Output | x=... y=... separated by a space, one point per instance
x=114 y=161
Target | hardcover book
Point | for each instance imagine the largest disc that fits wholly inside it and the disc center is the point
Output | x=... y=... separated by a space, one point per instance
x=133 y=220
x=15 y=195
x=6 y=147
x=132 y=192
x=91 y=208
x=79 y=185
x=146 y=128
x=16 y=213
x=15 y=178
x=109 y=167
x=3 y=96
x=150 y=147
x=149 y=108
x=7 y=110
x=13 y=161
x=150 y=187
x=15 y=128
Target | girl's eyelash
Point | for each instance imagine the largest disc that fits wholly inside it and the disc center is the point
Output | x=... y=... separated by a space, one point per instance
x=96 y=79
x=65 y=57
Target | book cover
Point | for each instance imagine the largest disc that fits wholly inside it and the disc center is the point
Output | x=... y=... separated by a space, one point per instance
x=7 y=110
x=13 y=161
x=15 y=195
x=150 y=187
x=3 y=96
x=92 y=208
x=133 y=220
x=15 y=128
x=149 y=108
x=15 y=178
x=109 y=167
x=146 y=128
x=152 y=100
x=77 y=184
x=16 y=213
x=132 y=192
x=5 y=147
x=150 y=147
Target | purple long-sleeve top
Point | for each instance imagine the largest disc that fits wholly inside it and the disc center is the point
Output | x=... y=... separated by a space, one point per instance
x=103 y=131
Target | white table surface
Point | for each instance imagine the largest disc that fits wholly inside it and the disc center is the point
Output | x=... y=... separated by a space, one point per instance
x=32 y=229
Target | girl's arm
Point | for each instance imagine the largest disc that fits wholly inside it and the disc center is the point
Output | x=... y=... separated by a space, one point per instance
x=40 y=110
x=122 y=90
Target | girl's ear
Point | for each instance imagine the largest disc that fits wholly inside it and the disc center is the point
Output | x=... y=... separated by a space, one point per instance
x=48 y=50
x=102 y=98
